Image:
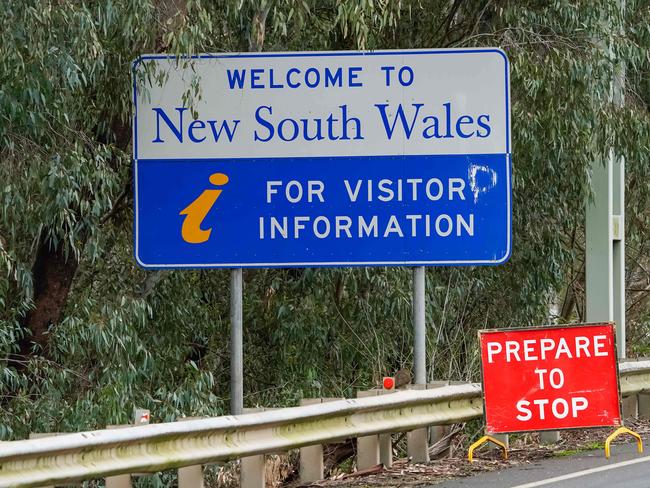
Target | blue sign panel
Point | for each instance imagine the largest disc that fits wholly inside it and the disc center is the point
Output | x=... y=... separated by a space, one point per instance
x=334 y=159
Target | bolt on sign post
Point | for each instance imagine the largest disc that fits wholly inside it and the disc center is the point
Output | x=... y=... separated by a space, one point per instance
x=550 y=378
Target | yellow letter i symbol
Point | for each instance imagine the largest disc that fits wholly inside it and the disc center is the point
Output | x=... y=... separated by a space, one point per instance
x=196 y=211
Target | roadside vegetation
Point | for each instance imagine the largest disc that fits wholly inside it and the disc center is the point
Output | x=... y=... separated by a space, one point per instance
x=86 y=335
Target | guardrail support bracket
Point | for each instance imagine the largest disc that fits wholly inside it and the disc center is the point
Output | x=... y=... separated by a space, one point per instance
x=483 y=440
x=619 y=431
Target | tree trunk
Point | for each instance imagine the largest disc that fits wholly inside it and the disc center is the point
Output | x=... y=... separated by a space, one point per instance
x=52 y=274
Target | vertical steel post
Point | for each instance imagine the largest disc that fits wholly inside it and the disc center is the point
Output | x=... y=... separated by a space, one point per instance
x=605 y=229
x=605 y=233
x=618 y=214
x=236 y=343
x=599 y=268
x=419 y=331
x=618 y=253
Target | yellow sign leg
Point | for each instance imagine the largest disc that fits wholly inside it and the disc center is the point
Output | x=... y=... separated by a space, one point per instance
x=619 y=431
x=483 y=440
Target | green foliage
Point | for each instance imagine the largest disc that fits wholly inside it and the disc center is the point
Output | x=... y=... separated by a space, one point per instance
x=160 y=340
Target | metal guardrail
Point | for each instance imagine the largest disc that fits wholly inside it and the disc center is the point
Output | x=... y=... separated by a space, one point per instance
x=156 y=447
x=634 y=377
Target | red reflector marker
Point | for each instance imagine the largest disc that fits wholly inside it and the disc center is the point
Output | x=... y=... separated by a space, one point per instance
x=388 y=383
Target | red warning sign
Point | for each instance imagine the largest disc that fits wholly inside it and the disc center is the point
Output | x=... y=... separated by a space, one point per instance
x=550 y=378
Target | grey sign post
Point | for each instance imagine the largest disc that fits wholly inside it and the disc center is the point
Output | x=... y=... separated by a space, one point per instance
x=605 y=231
x=419 y=327
x=236 y=343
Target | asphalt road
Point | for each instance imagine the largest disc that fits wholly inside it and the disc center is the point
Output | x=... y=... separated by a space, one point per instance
x=626 y=468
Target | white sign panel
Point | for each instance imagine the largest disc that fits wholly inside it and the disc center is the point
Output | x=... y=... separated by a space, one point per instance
x=330 y=104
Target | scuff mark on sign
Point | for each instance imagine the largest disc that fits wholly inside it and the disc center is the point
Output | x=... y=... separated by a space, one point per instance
x=488 y=178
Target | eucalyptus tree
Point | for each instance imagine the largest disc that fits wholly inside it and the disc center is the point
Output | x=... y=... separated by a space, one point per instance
x=85 y=334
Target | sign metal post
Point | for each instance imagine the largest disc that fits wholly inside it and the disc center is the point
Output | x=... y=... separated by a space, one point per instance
x=605 y=228
x=419 y=326
x=236 y=343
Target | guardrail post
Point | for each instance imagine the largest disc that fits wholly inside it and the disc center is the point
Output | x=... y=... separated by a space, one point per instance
x=418 y=445
x=417 y=441
x=386 y=440
x=141 y=416
x=630 y=407
x=121 y=480
x=312 y=467
x=253 y=472
x=40 y=435
x=549 y=437
x=367 y=446
x=386 y=450
x=644 y=405
x=311 y=457
x=190 y=476
x=438 y=432
x=252 y=469
x=367 y=452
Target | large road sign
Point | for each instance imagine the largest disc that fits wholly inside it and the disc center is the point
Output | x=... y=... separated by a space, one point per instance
x=323 y=159
x=550 y=378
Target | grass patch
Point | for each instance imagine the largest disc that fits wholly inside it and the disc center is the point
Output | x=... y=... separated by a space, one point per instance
x=566 y=452
x=592 y=446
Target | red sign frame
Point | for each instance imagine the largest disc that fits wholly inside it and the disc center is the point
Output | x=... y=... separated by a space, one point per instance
x=550 y=378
